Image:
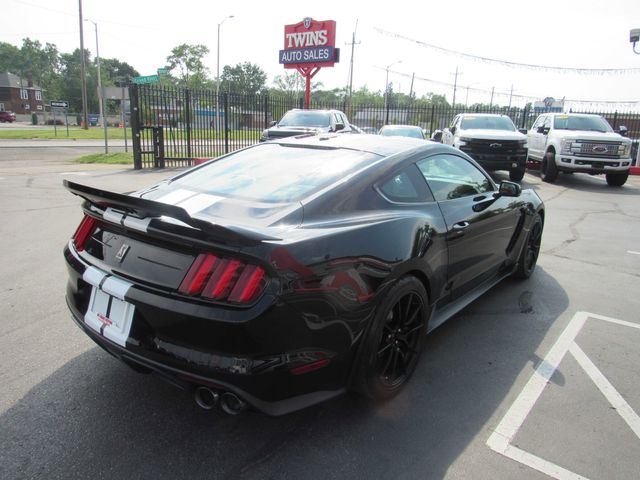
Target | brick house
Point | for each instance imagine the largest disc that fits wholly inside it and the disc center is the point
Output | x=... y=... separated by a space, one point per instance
x=19 y=95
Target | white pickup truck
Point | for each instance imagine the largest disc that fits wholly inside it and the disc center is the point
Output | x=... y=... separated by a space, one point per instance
x=491 y=140
x=575 y=142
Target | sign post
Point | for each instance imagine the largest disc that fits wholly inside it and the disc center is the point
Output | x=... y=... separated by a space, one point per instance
x=59 y=104
x=308 y=46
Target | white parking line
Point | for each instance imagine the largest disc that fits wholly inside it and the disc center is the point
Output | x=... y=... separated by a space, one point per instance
x=500 y=439
x=632 y=252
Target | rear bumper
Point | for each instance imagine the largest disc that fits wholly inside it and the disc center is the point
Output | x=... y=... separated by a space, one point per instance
x=255 y=353
x=187 y=380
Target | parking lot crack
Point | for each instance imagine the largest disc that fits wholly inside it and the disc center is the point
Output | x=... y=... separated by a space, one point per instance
x=573 y=228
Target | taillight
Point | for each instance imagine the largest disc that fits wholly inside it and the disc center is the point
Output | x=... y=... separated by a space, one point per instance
x=223 y=279
x=84 y=230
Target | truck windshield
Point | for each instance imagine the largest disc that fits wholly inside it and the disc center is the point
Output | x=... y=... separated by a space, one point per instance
x=581 y=122
x=305 y=119
x=487 y=123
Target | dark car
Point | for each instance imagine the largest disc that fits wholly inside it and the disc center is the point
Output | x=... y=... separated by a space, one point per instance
x=299 y=122
x=286 y=273
x=7 y=117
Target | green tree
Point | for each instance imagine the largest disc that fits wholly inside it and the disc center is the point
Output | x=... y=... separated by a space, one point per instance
x=68 y=85
x=246 y=78
x=113 y=70
x=187 y=63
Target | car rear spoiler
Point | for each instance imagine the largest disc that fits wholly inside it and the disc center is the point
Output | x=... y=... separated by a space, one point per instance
x=143 y=208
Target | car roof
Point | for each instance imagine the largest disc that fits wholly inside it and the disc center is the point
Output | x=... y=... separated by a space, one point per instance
x=324 y=110
x=376 y=144
x=392 y=127
x=470 y=114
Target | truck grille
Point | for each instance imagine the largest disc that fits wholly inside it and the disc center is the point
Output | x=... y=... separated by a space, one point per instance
x=597 y=149
x=493 y=147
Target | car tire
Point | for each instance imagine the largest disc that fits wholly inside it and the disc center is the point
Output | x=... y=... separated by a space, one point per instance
x=617 y=179
x=395 y=340
x=530 y=250
x=549 y=170
x=517 y=174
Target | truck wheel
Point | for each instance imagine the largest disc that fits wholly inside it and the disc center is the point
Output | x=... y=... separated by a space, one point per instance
x=516 y=174
x=549 y=170
x=617 y=179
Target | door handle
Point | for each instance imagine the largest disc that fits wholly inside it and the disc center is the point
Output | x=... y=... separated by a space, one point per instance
x=461 y=225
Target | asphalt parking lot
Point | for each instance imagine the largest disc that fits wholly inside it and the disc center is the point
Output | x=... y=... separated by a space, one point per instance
x=537 y=379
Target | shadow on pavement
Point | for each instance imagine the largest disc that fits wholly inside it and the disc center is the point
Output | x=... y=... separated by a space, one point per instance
x=95 y=418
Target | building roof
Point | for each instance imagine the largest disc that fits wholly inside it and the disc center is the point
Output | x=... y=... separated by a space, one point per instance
x=10 y=80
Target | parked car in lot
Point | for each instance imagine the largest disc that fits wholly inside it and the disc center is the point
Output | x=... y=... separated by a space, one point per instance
x=297 y=122
x=491 y=140
x=402 y=131
x=583 y=143
x=9 y=117
x=283 y=274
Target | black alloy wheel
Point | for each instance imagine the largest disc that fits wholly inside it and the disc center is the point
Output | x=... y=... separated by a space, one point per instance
x=531 y=250
x=396 y=340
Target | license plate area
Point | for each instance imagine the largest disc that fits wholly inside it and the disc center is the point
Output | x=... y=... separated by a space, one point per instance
x=109 y=314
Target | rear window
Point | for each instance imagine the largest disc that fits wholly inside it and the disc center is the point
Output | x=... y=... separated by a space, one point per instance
x=274 y=173
x=487 y=123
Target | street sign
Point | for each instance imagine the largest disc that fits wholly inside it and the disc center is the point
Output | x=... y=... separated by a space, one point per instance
x=146 y=79
x=60 y=103
x=163 y=72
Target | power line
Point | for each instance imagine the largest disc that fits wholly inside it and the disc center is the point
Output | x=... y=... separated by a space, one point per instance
x=509 y=94
x=584 y=71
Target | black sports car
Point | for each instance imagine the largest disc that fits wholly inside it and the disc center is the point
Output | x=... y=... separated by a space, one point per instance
x=283 y=274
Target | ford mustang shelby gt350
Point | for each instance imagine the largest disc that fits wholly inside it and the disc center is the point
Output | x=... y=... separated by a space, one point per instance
x=286 y=273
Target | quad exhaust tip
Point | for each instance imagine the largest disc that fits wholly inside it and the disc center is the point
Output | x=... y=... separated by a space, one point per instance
x=206 y=398
x=230 y=403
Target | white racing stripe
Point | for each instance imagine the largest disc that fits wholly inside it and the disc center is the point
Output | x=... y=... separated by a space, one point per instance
x=140 y=224
x=108 y=313
x=199 y=202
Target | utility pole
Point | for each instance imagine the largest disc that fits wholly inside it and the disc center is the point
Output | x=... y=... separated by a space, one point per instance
x=510 y=97
x=103 y=114
x=491 y=102
x=455 y=86
x=85 y=117
x=353 y=45
x=413 y=76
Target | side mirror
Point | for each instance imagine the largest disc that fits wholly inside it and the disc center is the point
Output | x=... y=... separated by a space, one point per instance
x=453 y=130
x=338 y=127
x=523 y=130
x=624 y=131
x=437 y=136
x=273 y=123
x=509 y=189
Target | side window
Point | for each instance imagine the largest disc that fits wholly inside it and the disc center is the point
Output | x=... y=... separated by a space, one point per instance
x=454 y=121
x=450 y=177
x=547 y=122
x=405 y=186
x=539 y=121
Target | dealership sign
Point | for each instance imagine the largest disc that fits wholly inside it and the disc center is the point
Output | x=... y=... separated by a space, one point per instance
x=309 y=43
